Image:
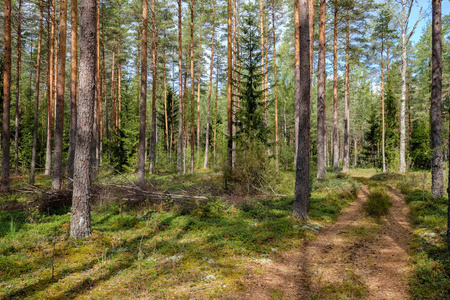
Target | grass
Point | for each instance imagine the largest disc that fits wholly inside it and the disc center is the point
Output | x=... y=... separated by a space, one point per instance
x=378 y=203
x=158 y=251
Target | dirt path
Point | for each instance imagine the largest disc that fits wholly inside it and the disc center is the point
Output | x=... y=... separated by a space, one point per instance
x=355 y=258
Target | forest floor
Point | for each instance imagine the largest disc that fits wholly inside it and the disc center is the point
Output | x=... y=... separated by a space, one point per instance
x=227 y=246
x=356 y=257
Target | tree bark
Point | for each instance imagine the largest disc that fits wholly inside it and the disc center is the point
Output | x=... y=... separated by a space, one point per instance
x=321 y=119
x=19 y=71
x=301 y=197
x=297 y=74
x=229 y=89
x=80 y=223
x=205 y=164
x=335 y=95
x=263 y=64
x=143 y=97
x=61 y=75
x=48 y=155
x=5 y=184
x=180 y=96
x=437 y=167
x=198 y=92
x=73 y=89
x=192 y=89
x=36 y=97
x=154 y=62
x=275 y=83
x=346 y=146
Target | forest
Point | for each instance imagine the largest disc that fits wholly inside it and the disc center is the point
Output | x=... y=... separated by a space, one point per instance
x=212 y=149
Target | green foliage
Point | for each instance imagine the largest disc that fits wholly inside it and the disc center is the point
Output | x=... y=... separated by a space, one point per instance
x=420 y=144
x=378 y=203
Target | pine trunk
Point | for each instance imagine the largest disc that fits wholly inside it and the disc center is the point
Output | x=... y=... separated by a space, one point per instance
x=143 y=97
x=36 y=97
x=80 y=223
x=437 y=167
x=275 y=83
x=297 y=74
x=321 y=119
x=154 y=62
x=5 y=184
x=61 y=75
x=346 y=146
x=301 y=197
x=180 y=96
x=205 y=165
x=48 y=155
x=229 y=87
x=19 y=70
x=192 y=88
x=73 y=89
x=335 y=95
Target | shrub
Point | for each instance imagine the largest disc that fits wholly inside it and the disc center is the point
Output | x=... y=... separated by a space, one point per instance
x=378 y=204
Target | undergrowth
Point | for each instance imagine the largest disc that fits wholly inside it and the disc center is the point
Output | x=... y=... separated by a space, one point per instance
x=164 y=250
x=378 y=203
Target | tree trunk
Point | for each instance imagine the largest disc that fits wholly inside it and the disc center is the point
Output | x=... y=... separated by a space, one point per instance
x=297 y=74
x=263 y=64
x=143 y=98
x=205 y=165
x=346 y=146
x=166 y=121
x=61 y=75
x=48 y=155
x=80 y=223
x=311 y=35
x=383 y=133
x=154 y=62
x=275 y=83
x=335 y=95
x=192 y=88
x=215 y=107
x=36 y=97
x=119 y=86
x=19 y=70
x=437 y=167
x=321 y=119
x=301 y=197
x=198 y=93
x=5 y=185
x=73 y=89
x=229 y=88
x=180 y=96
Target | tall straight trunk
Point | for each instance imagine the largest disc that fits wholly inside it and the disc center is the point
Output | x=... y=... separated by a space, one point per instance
x=215 y=108
x=98 y=101
x=229 y=87
x=437 y=167
x=335 y=95
x=101 y=91
x=4 y=183
x=263 y=63
x=275 y=83
x=119 y=86
x=180 y=96
x=143 y=97
x=198 y=92
x=113 y=89
x=166 y=121
x=321 y=119
x=154 y=62
x=192 y=87
x=233 y=88
x=73 y=89
x=80 y=223
x=346 y=146
x=19 y=71
x=48 y=155
x=205 y=164
x=297 y=74
x=404 y=21
x=383 y=133
x=36 y=96
x=301 y=197
x=61 y=76
x=311 y=35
